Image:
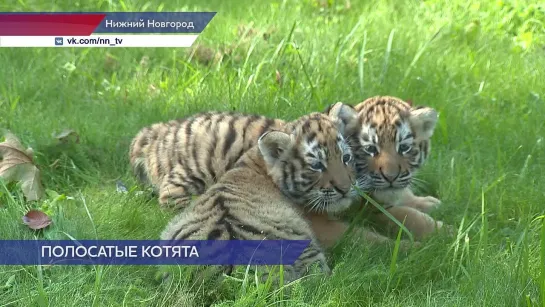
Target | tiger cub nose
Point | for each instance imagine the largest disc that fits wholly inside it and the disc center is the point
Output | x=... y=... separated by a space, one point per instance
x=390 y=176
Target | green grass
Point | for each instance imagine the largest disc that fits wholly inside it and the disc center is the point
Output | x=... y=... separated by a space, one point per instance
x=479 y=65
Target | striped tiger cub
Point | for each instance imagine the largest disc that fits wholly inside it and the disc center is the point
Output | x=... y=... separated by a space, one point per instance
x=261 y=196
x=182 y=158
x=391 y=140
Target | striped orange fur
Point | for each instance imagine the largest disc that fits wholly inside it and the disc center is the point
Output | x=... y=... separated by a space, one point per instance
x=391 y=140
x=262 y=196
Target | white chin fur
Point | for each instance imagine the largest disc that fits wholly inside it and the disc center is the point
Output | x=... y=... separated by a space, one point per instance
x=340 y=205
x=390 y=189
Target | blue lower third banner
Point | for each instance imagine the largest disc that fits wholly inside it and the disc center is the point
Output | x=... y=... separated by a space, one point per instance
x=150 y=252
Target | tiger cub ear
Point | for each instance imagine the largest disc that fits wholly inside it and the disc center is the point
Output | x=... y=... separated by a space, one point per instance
x=423 y=121
x=343 y=114
x=272 y=144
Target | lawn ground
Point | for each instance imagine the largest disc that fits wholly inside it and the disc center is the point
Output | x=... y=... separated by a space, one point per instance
x=480 y=65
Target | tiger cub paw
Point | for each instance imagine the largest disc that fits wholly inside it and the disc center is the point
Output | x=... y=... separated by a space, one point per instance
x=407 y=245
x=424 y=204
x=447 y=229
x=175 y=204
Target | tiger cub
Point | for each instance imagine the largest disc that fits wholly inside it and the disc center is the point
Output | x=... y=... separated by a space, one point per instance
x=391 y=140
x=262 y=195
x=182 y=158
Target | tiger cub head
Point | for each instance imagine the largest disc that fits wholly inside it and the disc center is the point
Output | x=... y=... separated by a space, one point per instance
x=389 y=138
x=312 y=164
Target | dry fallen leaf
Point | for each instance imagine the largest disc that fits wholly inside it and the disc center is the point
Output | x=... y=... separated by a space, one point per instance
x=323 y=3
x=35 y=219
x=16 y=165
x=269 y=32
x=246 y=31
x=206 y=55
x=66 y=135
x=110 y=63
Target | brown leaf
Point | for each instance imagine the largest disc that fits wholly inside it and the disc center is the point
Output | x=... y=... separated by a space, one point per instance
x=110 y=63
x=206 y=55
x=35 y=219
x=17 y=165
x=323 y=3
x=67 y=135
x=246 y=31
x=267 y=34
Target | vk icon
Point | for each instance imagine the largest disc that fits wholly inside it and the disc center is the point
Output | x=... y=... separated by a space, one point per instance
x=58 y=41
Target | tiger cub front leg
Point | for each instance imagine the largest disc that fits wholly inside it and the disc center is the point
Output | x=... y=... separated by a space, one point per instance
x=329 y=231
x=311 y=255
x=405 y=197
x=418 y=223
x=410 y=209
x=422 y=203
x=173 y=196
